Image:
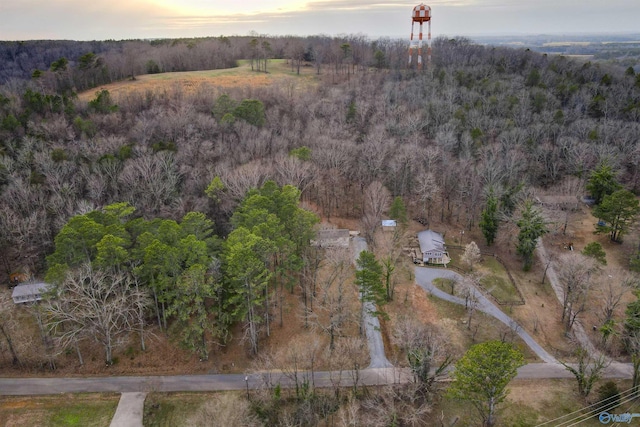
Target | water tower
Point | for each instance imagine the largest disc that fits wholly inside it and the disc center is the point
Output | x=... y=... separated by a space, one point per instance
x=421 y=14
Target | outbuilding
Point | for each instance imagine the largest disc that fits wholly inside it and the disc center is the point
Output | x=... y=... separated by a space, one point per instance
x=29 y=292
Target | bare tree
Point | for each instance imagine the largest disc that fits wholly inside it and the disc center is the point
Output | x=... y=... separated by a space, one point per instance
x=376 y=202
x=397 y=405
x=8 y=325
x=294 y=171
x=299 y=360
x=426 y=189
x=575 y=274
x=587 y=370
x=426 y=350
x=469 y=292
x=612 y=289
x=151 y=182
x=335 y=298
x=97 y=304
x=351 y=355
x=471 y=255
x=312 y=259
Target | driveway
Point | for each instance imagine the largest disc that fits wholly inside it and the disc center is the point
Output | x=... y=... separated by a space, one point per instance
x=371 y=323
x=425 y=277
x=623 y=369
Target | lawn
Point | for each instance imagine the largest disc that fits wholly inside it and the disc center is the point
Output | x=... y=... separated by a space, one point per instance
x=532 y=402
x=495 y=278
x=82 y=410
x=188 y=409
x=171 y=409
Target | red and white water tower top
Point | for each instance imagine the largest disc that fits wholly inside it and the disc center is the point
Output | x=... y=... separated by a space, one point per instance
x=420 y=14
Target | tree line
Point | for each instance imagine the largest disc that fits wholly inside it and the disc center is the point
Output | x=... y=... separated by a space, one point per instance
x=72 y=66
x=109 y=266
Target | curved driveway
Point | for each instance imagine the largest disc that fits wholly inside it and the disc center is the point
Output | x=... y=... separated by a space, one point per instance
x=425 y=277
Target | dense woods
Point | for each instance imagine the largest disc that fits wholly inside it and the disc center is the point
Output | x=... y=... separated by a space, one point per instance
x=511 y=119
x=197 y=207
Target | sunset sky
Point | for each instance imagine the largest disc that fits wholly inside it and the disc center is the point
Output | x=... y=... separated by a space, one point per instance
x=124 y=19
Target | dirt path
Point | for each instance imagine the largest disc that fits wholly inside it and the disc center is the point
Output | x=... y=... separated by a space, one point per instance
x=578 y=330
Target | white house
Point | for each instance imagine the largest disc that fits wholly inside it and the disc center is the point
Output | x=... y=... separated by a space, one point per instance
x=29 y=292
x=432 y=248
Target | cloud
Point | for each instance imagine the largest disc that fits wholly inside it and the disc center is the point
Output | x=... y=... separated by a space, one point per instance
x=121 y=19
x=79 y=19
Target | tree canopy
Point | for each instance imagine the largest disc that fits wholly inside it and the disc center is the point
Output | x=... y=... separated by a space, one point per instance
x=532 y=226
x=263 y=253
x=489 y=221
x=602 y=182
x=619 y=211
x=481 y=377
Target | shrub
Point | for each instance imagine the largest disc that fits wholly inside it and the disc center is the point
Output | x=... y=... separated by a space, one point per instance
x=594 y=250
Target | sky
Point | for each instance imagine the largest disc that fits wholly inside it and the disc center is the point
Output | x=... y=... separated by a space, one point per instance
x=128 y=19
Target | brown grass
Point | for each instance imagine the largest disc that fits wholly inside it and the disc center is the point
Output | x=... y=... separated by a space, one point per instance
x=189 y=82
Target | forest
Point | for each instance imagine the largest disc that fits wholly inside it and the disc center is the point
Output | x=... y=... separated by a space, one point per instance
x=196 y=208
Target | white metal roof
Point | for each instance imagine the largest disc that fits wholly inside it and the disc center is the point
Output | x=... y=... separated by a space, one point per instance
x=27 y=289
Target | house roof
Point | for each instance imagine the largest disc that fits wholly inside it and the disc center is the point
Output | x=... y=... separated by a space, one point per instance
x=331 y=237
x=430 y=240
x=27 y=289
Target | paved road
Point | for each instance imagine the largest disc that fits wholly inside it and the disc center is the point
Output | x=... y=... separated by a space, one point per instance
x=200 y=383
x=425 y=277
x=371 y=323
x=221 y=382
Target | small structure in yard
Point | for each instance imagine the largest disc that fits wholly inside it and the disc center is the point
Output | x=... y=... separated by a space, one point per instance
x=17 y=278
x=332 y=238
x=29 y=292
x=389 y=224
x=432 y=248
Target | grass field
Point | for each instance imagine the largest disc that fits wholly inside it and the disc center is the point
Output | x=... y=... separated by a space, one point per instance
x=171 y=409
x=278 y=72
x=82 y=410
x=496 y=281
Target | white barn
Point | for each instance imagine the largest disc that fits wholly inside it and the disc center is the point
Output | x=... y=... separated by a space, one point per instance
x=432 y=248
x=29 y=292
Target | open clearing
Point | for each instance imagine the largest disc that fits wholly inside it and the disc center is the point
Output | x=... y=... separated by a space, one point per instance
x=82 y=410
x=188 y=82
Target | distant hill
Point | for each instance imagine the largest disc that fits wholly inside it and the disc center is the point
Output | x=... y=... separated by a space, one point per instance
x=624 y=48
